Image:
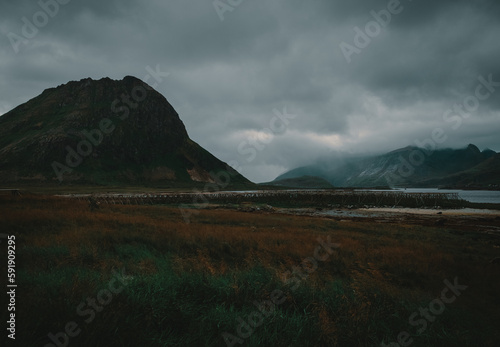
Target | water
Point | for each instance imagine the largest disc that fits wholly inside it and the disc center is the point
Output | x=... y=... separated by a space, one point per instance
x=478 y=196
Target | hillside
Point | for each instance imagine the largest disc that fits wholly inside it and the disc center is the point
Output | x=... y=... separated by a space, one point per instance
x=103 y=132
x=484 y=175
x=301 y=182
x=409 y=167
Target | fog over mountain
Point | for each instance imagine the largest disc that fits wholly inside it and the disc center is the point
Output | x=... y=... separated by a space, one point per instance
x=269 y=86
x=411 y=166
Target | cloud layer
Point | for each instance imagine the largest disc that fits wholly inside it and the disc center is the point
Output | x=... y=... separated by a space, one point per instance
x=229 y=77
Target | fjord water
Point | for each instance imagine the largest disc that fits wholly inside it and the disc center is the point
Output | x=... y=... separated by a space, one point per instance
x=478 y=196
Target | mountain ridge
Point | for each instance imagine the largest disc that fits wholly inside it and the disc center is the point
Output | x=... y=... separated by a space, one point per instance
x=103 y=132
x=408 y=167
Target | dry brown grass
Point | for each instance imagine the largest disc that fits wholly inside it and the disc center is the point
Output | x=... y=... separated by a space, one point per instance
x=220 y=240
x=405 y=262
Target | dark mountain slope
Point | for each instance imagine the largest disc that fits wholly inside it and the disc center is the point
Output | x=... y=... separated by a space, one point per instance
x=304 y=182
x=103 y=132
x=409 y=167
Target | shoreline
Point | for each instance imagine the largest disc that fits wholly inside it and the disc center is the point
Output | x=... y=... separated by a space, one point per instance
x=444 y=212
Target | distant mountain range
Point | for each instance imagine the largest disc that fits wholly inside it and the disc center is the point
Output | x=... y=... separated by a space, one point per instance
x=104 y=132
x=409 y=167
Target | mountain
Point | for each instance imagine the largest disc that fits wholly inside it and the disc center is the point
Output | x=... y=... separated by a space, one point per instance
x=484 y=175
x=409 y=167
x=104 y=132
x=301 y=182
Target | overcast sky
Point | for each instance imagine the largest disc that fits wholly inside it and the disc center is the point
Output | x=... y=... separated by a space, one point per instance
x=345 y=80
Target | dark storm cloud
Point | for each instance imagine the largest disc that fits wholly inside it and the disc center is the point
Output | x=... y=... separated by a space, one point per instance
x=228 y=77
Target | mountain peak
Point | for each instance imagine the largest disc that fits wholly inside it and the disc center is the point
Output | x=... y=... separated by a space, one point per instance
x=404 y=167
x=473 y=148
x=102 y=132
x=129 y=78
x=88 y=81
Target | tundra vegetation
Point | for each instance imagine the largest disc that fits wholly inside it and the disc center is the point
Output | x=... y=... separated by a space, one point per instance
x=134 y=275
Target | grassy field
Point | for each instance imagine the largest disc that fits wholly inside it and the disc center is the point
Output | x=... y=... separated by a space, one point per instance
x=141 y=276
